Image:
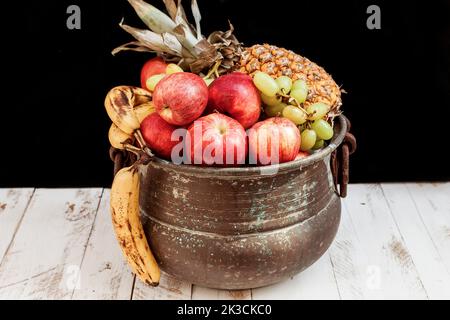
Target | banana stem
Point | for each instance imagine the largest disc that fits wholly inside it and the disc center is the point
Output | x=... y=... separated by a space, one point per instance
x=140 y=140
x=132 y=149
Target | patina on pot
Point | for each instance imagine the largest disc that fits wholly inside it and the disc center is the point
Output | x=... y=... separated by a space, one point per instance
x=235 y=228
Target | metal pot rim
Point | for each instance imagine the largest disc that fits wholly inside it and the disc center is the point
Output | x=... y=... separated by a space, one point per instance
x=340 y=129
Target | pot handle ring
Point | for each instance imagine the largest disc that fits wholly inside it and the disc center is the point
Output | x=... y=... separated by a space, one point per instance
x=119 y=157
x=340 y=161
x=123 y=158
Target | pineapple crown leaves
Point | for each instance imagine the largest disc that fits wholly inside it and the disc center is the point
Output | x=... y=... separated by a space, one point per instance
x=150 y=41
x=176 y=40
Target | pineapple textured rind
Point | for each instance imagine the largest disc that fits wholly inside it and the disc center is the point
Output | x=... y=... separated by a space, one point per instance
x=277 y=62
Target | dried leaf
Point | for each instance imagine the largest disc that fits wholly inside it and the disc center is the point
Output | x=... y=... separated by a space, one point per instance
x=207 y=56
x=171 y=8
x=204 y=46
x=179 y=30
x=197 y=17
x=191 y=27
x=156 y=42
x=131 y=46
x=172 y=42
x=155 y=19
x=230 y=31
x=182 y=12
x=183 y=24
x=182 y=30
x=224 y=38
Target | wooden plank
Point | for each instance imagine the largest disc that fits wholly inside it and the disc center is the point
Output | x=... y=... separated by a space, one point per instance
x=433 y=203
x=202 y=293
x=316 y=282
x=388 y=266
x=169 y=289
x=104 y=272
x=13 y=203
x=394 y=242
x=44 y=259
x=350 y=260
x=432 y=270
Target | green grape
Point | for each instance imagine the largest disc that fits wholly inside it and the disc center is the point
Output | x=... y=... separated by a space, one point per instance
x=299 y=91
x=317 y=110
x=284 y=83
x=309 y=138
x=153 y=81
x=275 y=110
x=173 y=68
x=270 y=101
x=299 y=95
x=295 y=114
x=208 y=81
x=299 y=84
x=319 y=144
x=266 y=84
x=323 y=129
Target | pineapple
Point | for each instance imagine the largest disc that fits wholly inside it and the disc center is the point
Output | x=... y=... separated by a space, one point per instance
x=176 y=40
x=277 y=62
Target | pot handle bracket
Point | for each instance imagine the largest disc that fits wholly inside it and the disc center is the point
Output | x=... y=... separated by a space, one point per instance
x=340 y=161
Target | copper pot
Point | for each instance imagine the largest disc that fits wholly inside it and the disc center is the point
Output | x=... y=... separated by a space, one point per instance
x=235 y=228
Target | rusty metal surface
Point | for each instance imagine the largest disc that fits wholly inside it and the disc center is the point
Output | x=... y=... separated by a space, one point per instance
x=232 y=232
x=233 y=228
x=340 y=161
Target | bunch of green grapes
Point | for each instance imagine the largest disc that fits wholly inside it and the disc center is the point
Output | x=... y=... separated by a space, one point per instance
x=284 y=98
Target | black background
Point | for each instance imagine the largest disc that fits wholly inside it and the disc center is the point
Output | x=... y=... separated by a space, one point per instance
x=54 y=127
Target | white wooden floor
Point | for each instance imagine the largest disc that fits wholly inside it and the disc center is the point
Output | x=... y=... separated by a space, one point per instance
x=393 y=243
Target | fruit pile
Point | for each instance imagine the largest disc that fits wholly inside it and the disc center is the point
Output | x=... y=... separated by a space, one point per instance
x=194 y=76
x=231 y=104
x=283 y=97
x=211 y=102
x=176 y=100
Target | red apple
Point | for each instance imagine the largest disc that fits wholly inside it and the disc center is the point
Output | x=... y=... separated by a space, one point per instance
x=235 y=94
x=272 y=141
x=157 y=134
x=216 y=139
x=301 y=155
x=150 y=68
x=180 y=98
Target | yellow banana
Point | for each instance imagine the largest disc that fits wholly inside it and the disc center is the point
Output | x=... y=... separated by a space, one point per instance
x=128 y=226
x=117 y=138
x=143 y=110
x=119 y=104
x=141 y=96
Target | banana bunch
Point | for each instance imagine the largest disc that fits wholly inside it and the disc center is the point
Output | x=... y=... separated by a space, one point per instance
x=128 y=227
x=127 y=107
x=119 y=139
x=141 y=111
x=120 y=103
